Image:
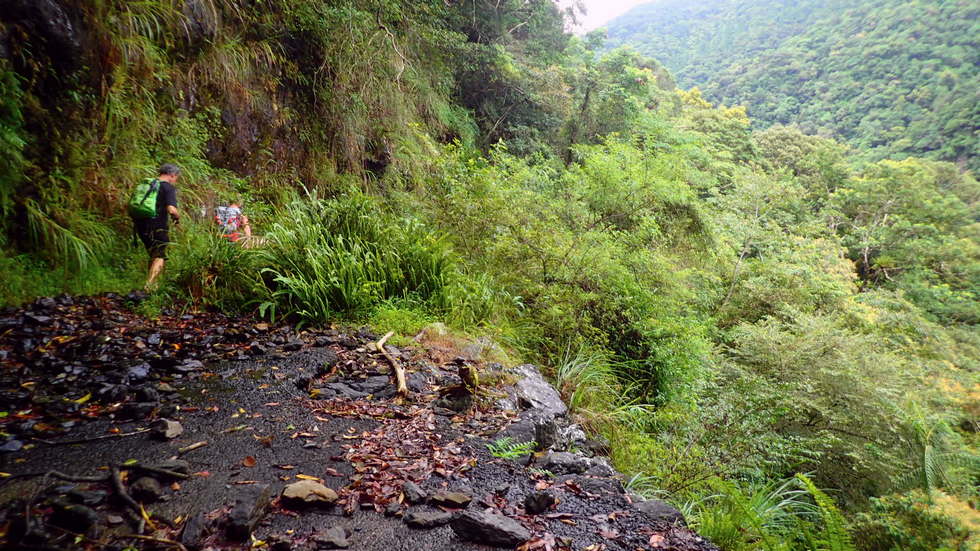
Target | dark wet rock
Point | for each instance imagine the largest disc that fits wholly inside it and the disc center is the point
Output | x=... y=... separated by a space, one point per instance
x=11 y=445
x=166 y=388
x=564 y=463
x=600 y=467
x=393 y=509
x=373 y=385
x=146 y=490
x=366 y=334
x=597 y=445
x=306 y=493
x=293 y=346
x=175 y=465
x=86 y=497
x=427 y=519
x=146 y=394
x=37 y=319
x=345 y=391
x=545 y=433
x=138 y=372
x=332 y=538
x=165 y=429
x=195 y=531
x=113 y=393
x=348 y=342
x=415 y=382
x=456 y=500
x=324 y=341
x=189 y=365
x=456 y=399
x=594 y=485
x=489 y=528
x=659 y=511
x=154 y=339
x=279 y=542
x=251 y=504
x=138 y=410
x=413 y=493
x=74 y=517
x=303 y=381
x=257 y=349
x=536 y=503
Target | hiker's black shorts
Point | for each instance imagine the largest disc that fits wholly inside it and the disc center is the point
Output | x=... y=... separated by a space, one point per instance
x=155 y=239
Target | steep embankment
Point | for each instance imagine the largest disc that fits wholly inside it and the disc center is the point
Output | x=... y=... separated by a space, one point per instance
x=233 y=449
x=893 y=78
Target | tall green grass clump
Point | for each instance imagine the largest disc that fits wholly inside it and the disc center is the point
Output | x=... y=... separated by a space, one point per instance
x=326 y=257
x=206 y=269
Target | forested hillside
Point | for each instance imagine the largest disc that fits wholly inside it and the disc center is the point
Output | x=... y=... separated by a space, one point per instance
x=774 y=332
x=892 y=78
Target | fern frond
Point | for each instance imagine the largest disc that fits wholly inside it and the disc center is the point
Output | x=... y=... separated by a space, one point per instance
x=834 y=535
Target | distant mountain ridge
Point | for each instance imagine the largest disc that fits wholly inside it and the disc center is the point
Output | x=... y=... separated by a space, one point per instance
x=894 y=78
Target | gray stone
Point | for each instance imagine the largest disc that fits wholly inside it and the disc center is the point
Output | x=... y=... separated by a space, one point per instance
x=489 y=529
x=427 y=519
x=308 y=493
x=534 y=392
x=138 y=372
x=594 y=485
x=413 y=493
x=251 y=504
x=293 y=346
x=545 y=433
x=564 y=463
x=332 y=538
x=195 y=531
x=373 y=385
x=538 y=502
x=457 y=500
x=659 y=511
x=166 y=429
x=146 y=490
x=345 y=391
x=189 y=365
x=176 y=465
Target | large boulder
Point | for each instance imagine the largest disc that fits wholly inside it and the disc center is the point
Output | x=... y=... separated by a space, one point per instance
x=489 y=528
x=532 y=391
x=660 y=512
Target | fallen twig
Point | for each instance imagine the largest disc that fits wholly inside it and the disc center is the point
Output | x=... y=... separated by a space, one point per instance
x=87 y=440
x=155 y=470
x=399 y=370
x=134 y=508
x=192 y=447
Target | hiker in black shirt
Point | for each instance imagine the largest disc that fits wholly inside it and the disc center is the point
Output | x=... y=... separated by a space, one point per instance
x=155 y=232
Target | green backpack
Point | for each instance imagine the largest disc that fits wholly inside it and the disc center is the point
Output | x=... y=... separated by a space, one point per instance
x=143 y=202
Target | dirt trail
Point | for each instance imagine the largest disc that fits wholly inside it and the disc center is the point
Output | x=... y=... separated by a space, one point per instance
x=277 y=408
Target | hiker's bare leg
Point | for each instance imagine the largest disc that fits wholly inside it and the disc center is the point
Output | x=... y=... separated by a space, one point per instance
x=156 y=266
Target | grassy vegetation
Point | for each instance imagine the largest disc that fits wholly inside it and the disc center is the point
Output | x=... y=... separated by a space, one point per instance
x=727 y=308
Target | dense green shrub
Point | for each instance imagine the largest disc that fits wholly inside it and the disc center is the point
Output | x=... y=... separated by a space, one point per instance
x=909 y=522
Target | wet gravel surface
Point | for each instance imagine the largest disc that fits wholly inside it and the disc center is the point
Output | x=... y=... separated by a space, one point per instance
x=266 y=401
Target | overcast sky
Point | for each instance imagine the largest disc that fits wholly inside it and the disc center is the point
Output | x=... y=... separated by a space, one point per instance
x=601 y=12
